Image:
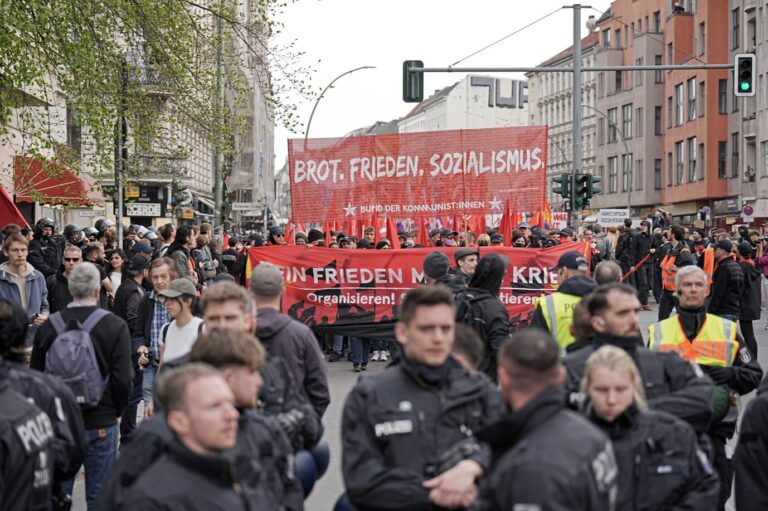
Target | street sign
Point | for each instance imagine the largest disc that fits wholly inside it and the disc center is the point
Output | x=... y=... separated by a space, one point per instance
x=748 y=211
x=612 y=217
x=143 y=209
x=187 y=213
x=245 y=206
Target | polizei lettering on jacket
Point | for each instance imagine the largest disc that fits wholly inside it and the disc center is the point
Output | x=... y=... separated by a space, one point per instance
x=398 y=427
x=35 y=433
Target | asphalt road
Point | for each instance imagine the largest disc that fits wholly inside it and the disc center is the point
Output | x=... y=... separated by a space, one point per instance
x=342 y=378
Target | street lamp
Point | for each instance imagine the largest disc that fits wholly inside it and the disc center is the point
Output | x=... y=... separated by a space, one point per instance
x=626 y=151
x=309 y=123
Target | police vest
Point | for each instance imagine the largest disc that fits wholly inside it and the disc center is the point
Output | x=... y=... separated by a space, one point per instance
x=714 y=345
x=557 y=309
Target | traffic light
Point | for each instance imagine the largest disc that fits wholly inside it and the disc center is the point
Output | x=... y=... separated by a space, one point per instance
x=564 y=185
x=593 y=190
x=744 y=75
x=413 y=82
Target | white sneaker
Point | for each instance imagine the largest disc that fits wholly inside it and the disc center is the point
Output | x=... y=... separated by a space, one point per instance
x=384 y=356
x=375 y=357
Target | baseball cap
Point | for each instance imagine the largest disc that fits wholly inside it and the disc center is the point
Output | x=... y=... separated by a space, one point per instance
x=276 y=231
x=315 y=235
x=573 y=261
x=139 y=248
x=523 y=225
x=179 y=287
x=436 y=265
x=434 y=232
x=497 y=238
x=447 y=232
x=137 y=264
x=725 y=245
x=745 y=248
x=464 y=252
x=566 y=232
x=266 y=280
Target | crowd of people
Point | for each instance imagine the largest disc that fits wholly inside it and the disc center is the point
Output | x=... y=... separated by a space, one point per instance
x=147 y=363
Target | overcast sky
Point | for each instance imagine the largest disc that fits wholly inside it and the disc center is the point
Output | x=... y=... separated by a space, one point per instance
x=345 y=34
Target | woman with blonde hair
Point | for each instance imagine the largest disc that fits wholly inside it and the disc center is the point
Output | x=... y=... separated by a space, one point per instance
x=659 y=462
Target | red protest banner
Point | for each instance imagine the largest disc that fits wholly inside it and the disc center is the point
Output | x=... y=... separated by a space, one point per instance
x=413 y=175
x=358 y=292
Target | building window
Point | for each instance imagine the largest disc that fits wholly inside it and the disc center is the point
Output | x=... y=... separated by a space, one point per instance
x=657 y=174
x=702 y=98
x=692 y=159
x=735 y=154
x=657 y=120
x=691 y=99
x=612 y=176
x=679 y=104
x=607 y=38
x=626 y=118
x=600 y=132
x=658 y=75
x=702 y=38
x=639 y=74
x=764 y=158
x=670 y=112
x=735 y=28
x=639 y=170
x=670 y=54
x=722 y=96
x=619 y=81
x=74 y=133
x=639 y=121
x=679 y=162
x=626 y=172
x=702 y=168
x=670 y=169
x=617 y=36
x=600 y=84
x=656 y=21
x=612 y=120
x=722 y=149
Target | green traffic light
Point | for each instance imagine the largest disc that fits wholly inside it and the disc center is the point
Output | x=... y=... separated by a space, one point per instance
x=744 y=86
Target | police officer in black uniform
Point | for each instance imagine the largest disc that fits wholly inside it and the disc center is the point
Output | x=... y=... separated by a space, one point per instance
x=751 y=458
x=671 y=384
x=26 y=454
x=407 y=431
x=46 y=250
x=545 y=456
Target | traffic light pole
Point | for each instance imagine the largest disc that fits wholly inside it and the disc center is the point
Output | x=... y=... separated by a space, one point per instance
x=576 y=103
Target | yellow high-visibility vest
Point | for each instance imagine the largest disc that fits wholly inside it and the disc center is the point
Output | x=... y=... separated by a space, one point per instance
x=714 y=345
x=557 y=309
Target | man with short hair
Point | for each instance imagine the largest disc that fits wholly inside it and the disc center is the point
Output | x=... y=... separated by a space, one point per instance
x=715 y=344
x=369 y=234
x=58 y=291
x=671 y=384
x=95 y=253
x=21 y=283
x=287 y=338
x=607 y=272
x=193 y=473
x=466 y=262
x=403 y=447
x=547 y=457
x=151 y=317
x=727 y=283
x=677 y=255
x=554 y=312
x=436 y=266
x=112 y=346
x=641 y=249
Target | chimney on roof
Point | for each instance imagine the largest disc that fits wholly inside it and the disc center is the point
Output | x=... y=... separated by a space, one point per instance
x=591 y=23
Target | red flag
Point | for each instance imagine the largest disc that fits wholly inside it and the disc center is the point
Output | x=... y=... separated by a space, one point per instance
x=9 y=213
x=505 y=226
x=392 y=233
x=327 y=232
x=481 y=226
x=376 y=228
x=536 y=220
x=422 y=238
x=289 y=233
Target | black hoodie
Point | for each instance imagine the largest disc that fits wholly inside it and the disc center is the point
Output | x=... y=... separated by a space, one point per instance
x=751 y=453
x=750 y=296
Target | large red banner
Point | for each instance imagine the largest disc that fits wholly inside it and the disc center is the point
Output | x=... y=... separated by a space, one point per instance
x=358 y=292
x=422 y=174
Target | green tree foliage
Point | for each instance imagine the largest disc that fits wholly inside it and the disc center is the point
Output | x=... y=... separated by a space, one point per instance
x=154 y=61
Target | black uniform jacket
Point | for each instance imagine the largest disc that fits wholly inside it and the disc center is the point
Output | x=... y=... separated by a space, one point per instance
x=660 y=463
x=671 y=384
x=396 y=426
x=751 y=459
x=548 y=458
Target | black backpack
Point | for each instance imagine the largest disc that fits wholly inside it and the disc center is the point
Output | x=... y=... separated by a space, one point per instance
x=468 y=312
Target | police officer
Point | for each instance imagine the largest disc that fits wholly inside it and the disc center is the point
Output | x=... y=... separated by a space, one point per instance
x=26 y=454
x=407 y=431
x=547 y=457
x=751 y=458
x=715 y=344
x=671 y=384
x=554 y=312
x=677 y=255
x=660 y=463
x=46 y=251
x=73 y=235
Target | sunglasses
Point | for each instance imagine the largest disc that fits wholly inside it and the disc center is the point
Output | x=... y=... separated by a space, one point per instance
x=71 y=259
x=279 y=235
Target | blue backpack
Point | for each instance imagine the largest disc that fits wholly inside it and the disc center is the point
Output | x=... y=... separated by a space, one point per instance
x=72 y=358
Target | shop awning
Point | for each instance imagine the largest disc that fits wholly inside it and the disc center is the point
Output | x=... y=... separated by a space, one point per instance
x=49 y=183
x=205 y=207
